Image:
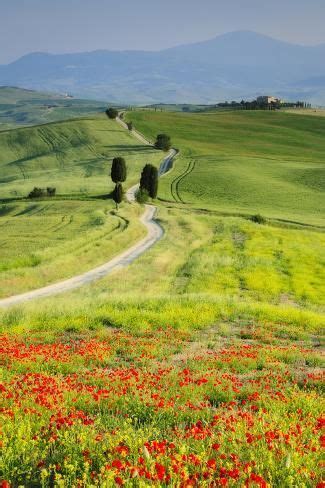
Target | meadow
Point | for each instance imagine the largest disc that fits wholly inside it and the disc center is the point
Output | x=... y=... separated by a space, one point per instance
x=244 y=162
x=45 y=241
x=19 y=107
x=201 y=363
x=72 y=156
x=236 y=403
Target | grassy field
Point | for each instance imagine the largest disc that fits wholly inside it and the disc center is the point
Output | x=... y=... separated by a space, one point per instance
x=315 y=112
x=73 y=156
x=244 y=162
x=44 y=241
x=201 y=363
x=19 y=107
x=198 y=365
x=113 y=385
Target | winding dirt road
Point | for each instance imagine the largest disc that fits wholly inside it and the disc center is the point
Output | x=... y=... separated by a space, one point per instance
x=154 y=233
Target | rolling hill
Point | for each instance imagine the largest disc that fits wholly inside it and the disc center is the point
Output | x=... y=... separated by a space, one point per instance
x=74 y=156
x=235 y=65
x=244 y=162
x=47 y=239
x=21 y=107
x=199 y=363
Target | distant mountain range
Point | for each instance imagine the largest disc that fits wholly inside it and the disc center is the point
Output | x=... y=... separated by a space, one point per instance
x=232 y=66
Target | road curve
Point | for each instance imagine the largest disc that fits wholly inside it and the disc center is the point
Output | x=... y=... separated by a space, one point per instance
x=154 y=233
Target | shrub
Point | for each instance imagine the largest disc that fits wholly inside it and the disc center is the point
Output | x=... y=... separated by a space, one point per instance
x=112 y=113
x=37 y=193
x=163 y=142
x=142 y=195
x=258 y=219
x=50 y=191
x=42 y=192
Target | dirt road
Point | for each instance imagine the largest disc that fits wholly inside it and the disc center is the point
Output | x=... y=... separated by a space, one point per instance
x=154 y=233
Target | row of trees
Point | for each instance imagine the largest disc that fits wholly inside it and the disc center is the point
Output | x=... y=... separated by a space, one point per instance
x=255 y=105
x=148 y=181
x=42 y=192
x=148 y=187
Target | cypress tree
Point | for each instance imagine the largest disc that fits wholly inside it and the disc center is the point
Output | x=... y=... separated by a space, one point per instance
x=118 y=194
x=145 y=178
x=118 y=170
x=149 y=180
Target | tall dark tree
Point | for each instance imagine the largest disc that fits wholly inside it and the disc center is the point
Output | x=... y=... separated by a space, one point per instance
x=118 y=170
x=163 y=142
x=118 y=194
x=149 y=180
x=112 y=113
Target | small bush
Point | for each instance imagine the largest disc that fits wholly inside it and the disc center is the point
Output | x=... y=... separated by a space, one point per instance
x=258 y=219
x=42 y=192
x=163 y=142
x=36 y=193
x=112 y=113
x=142 y=195
x=50 y=191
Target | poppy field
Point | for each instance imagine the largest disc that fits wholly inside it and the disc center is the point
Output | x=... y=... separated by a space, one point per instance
x=161 y=407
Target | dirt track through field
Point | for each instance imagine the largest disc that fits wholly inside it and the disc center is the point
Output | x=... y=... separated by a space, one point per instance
x=154 y=233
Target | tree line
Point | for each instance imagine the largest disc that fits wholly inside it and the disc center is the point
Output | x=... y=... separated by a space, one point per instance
x=148 y=187
x=148 y=184
x=256 y=105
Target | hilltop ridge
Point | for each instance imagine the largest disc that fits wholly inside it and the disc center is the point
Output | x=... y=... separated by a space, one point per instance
x=240 y=64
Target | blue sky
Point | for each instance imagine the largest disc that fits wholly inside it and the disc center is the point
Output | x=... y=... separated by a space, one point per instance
x=59 y=26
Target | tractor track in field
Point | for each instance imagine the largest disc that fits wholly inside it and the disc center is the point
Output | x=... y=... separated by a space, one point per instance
x=174 y=187
x=154 y=234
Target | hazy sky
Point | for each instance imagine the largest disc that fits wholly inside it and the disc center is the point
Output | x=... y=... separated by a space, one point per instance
x=58 y=26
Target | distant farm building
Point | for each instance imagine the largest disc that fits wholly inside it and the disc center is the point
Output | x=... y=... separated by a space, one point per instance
x=266 y=100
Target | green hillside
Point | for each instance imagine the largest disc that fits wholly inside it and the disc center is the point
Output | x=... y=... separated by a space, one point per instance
x=73 y=156
x=198 y=364
x=51 y=239
x=245 y=162
x=20 y=107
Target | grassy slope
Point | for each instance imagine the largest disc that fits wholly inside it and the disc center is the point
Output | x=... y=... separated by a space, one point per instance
x=73 y=156
x=247 y=162
x=45 y=241
x=218 y=352
x=19 y=107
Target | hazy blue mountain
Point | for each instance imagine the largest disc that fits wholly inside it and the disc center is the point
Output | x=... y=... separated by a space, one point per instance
x=235 y=65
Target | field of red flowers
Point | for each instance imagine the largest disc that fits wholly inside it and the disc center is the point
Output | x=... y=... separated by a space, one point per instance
x=162 y=408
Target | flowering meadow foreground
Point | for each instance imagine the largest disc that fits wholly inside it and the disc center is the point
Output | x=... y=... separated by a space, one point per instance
x=234 y=405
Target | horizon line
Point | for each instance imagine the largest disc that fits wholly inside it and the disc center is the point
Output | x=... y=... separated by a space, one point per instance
x=247 y=31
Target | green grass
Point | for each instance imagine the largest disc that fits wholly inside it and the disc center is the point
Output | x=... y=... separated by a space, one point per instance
x=73 y=156
x=244 y=162
x=210 y=340
x=44 y=241
x=19 y=107
x=206 y=269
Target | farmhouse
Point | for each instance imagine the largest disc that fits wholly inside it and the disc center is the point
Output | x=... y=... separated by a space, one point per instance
x=267 y=100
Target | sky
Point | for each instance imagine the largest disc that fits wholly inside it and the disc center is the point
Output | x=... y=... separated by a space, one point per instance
x=61 y=26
